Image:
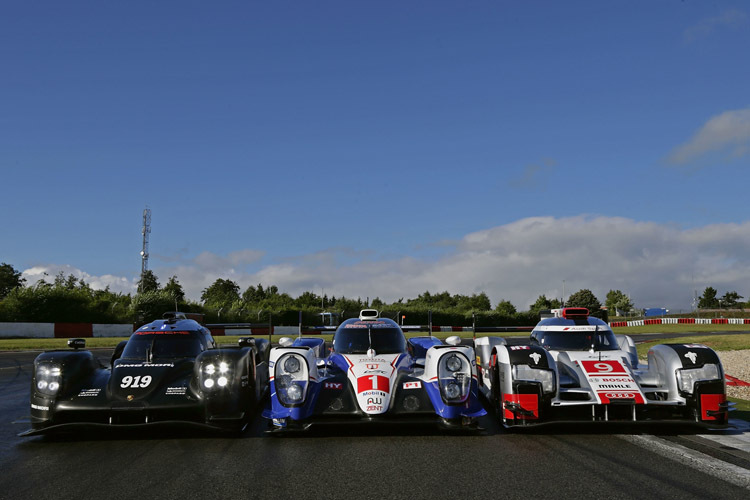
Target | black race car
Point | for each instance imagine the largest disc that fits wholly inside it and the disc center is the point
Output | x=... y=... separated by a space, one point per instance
x=169 y=371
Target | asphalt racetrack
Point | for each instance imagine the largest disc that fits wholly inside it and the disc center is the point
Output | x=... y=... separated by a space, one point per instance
x=347 y=462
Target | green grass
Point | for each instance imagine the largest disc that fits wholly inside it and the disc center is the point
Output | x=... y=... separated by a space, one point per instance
x=715 y=342
x=742 y=409
x=32 y=344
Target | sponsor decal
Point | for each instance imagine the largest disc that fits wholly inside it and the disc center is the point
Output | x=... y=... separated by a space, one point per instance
x=87 y=393
x=519 y=347
x=611 y=381
x=376 y=371
x=691 y=356
x=373 y=383
x=374 y=401
x=372 y=366
x=695 y=346
x=176 y=391
x=374 y=408
x=333 y=385
x=373 y=393
x=39 y=407
x=412 y=385
x=146 y=365
x=536 y=357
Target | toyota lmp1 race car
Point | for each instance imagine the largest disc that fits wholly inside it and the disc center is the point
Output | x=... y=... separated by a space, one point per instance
x=372 y=374
x=169 y=371
x=576 y=369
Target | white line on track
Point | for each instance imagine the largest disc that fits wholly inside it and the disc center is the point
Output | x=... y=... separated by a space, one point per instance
x=727 y=472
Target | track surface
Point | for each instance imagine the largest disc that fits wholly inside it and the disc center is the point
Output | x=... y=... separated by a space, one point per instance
x=331 y=463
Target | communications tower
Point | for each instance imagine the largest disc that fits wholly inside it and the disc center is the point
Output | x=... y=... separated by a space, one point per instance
x=144 y=251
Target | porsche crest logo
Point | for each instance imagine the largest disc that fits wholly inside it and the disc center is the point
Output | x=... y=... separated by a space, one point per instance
x=131 y=397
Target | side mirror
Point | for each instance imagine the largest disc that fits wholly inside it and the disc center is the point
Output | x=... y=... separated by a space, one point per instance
x=246 y=342
x=285 y=342
x=453 y=340
x=77 y=343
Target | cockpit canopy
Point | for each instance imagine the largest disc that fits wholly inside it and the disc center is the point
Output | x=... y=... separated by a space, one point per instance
x=164 y=344
x=355 y=336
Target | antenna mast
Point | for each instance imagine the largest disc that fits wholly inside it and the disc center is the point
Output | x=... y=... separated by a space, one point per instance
x=144 y=252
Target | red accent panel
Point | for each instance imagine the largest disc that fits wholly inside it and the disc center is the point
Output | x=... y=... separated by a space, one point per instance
x=604 y=367
x=735 y=381
x=575 y=312
x=528 y=402
x=217 y=332
x=710 y=402
x=373 y=383
x=609 y=396
x=71 y=330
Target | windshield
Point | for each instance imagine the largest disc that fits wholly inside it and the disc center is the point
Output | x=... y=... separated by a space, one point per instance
x=163 y=345
x=603 y=340
x=353 y=339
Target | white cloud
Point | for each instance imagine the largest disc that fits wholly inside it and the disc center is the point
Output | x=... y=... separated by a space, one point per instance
x=48 y=272
x=658 y=265
x=728 y=132
x=732 y=18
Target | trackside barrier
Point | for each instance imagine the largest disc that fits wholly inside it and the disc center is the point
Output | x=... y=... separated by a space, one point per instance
x=64 y=330
x=682 y=321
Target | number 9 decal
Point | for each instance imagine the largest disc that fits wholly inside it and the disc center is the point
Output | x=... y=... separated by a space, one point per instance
x=604 y=367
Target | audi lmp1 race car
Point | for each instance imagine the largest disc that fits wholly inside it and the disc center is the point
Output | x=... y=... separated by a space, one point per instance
x=576 y=369
x=169 y=371
x=372 y=374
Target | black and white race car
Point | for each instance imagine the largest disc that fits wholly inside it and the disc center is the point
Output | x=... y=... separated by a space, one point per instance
x=574 y=368
x=169 y=371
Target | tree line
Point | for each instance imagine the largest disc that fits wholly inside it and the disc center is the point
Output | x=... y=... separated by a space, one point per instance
x=71 y=299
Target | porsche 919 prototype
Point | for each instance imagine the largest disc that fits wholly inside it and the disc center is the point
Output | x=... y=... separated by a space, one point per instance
x=372 y=374
x=169 y=371
x=576 y=369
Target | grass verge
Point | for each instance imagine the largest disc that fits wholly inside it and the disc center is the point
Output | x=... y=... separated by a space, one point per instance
x=715 y=342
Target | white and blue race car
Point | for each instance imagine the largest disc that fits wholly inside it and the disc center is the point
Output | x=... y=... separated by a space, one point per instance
x=372 y=373
x=574 y=368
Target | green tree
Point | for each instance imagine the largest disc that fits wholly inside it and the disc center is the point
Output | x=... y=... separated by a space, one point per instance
x=148 y=282
x=505 y=308
x=10 y=279
x=174 y=289
x=708 y=300
x=221 y=294
x=730 y=300
x=584 y=298
x=616 y=300
x=542 y=302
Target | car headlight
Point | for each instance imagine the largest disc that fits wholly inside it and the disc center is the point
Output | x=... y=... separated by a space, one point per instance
x=687 y=377
x=290 y=379
x=215 y=375
x=546 y=377
x=454 y=377
x=453 y=363
x=48 y=378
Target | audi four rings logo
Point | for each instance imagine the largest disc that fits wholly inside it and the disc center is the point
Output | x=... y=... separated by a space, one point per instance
x=618 y=395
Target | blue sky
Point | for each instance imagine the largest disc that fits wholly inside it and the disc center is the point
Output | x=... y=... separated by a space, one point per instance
x=363 y=148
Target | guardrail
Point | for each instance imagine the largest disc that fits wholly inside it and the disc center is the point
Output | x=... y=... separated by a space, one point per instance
x=681 y=321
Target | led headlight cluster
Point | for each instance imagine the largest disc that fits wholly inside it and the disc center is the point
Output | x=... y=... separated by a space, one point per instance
x=686 y=378
x=454 y=374
x=215 y=375
x=48 y=378
x=291 y=376
x=546 y=377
